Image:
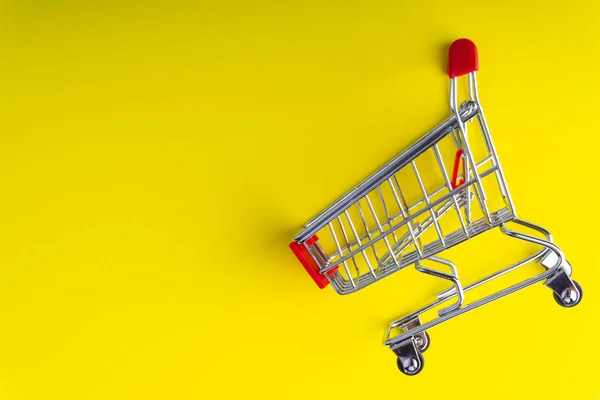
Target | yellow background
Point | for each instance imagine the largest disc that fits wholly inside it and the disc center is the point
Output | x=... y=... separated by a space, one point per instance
x=156 y=158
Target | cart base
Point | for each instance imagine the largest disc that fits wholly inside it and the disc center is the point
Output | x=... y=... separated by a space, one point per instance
x=409 y=345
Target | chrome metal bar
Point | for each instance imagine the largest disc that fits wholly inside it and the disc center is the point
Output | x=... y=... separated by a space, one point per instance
x=430 y=249
x=339 y=219
x=548 y=245
x=340 y=251
x=450 y=292
x=466 y=113
x=438 y=157
x=403 y=244
x=428 y=202
x=451 y=277
x=413 y=216
x=479 y=193
x=488 y=137
x=401 y=206
x=385 y=239
x=418 y=202
x=359 y=243
x=369 y=235
x=385 y=210
x=485 y=160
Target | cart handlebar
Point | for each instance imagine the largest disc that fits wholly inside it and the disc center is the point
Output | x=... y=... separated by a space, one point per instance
x=463 y=58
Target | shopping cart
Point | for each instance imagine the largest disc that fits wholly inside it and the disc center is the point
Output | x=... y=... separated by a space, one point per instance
x=377 y=229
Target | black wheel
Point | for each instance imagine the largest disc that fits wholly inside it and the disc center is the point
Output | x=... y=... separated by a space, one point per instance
x=560 y=301
x=425 y=345
x=411 y=368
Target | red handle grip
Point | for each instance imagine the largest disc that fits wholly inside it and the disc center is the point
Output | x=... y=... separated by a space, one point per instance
x=462 y=58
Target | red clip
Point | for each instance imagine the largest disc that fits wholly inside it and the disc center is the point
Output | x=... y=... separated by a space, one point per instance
x=456 y=181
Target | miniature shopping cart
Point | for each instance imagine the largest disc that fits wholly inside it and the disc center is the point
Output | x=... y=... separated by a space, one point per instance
x=396 y=218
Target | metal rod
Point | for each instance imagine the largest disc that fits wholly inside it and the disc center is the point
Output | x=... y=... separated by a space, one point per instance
x=413 y=216
x=348 y=244
x=385 y=210
x=385 y=239
x=340 y=251
x=492 y=148
x=405 y=213
x=438 y=157
x=467 y=112
x=431 y=210
x=359 y=243
x=369 y=235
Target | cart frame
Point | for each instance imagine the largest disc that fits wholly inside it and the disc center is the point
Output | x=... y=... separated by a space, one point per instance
x=456 y=196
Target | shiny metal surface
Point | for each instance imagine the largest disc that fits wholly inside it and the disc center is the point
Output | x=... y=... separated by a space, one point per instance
x=467 y=112
x=373 y=231
x=555 y=270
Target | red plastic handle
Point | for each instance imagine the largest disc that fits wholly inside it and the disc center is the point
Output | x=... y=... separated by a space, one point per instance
x=462 y=58
x=308 y=262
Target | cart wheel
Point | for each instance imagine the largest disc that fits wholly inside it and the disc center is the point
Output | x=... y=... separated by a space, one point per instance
x=423 y=346
x=412 y=367
x=572 y=303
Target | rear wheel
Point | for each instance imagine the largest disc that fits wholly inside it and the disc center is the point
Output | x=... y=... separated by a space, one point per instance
x=569 y=297
x=411 y=366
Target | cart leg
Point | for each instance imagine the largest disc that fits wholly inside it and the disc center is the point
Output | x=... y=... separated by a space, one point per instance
x=550 y=259
x=422 y=338
x=567 y=292
x=453 y=277
x=408 y=346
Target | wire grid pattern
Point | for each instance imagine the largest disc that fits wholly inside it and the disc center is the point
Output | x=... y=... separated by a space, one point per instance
x=381 y=232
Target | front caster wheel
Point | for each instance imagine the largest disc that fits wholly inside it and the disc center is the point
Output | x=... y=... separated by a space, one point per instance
x=410 y=366
x=569 y=297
